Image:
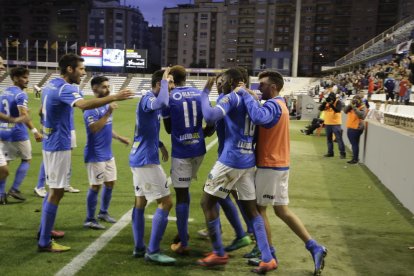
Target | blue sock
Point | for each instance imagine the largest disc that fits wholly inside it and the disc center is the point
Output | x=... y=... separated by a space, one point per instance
x=245 y=218
x=215 y=236
x=20 y=174
x=91 y=201
x=182 y=211
x=261 y=238
x=138 y=227
x=3 y=186
x=47 y=222
x=311 y=244
x=43 y=207
x=159 y=223
x=233 y=216
x=105 y=199
x=42 y=177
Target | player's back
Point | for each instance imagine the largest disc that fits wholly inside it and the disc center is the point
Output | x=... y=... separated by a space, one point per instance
x=56 y=115
x=186 y=123
x=239 y=132
x=11 y=99
x=146 y=137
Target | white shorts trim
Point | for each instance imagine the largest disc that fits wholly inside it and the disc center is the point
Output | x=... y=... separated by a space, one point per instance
x=73 y=143
x=222 y=179
x=150 y=181
x=272 y=187
x=3 y=161
x=12 y=150
x=184 y=170
x=57 y=168
x=101 y=172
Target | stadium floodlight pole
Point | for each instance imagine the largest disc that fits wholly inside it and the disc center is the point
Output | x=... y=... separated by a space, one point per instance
x=295 y=59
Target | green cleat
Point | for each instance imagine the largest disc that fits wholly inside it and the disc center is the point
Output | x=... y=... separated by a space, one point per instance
x=255 y=253
x=239 y=243
x=160 y=258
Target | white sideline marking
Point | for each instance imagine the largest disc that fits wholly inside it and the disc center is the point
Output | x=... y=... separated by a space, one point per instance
x=89 y=252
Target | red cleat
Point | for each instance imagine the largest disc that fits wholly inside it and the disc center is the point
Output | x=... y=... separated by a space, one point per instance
x=263 y=267
x=213 y=259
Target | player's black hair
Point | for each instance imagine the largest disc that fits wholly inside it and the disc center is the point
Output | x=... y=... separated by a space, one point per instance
x=98 y=80
x=70 y=60
x=156 y=77
x=179 y=74
x=235 y=76
x=274 y=77
x=18 y=72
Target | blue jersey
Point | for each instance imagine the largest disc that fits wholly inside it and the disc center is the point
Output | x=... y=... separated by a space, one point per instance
x=58 y=98
x=98 y=145
x=11 y=99
x=146 y=137
x=220 y=130
x=187 y=136
x=238 y=150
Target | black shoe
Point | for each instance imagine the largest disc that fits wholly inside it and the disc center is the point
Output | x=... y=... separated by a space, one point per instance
x=16 y=194
x=343 y=156
x=352 y=161
x=328 y=155
x=3 y=199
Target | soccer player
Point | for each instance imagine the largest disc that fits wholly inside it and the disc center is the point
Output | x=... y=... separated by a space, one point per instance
x=184 y=121
x=227 y=204
x=272 y=160
x=234 y=168
x=100 y=162
x=14 y=137
x=150 y=181
x=58 y=98
x=4 y=170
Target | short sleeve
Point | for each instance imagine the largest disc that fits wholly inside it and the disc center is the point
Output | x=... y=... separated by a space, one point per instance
x=228 y=102
x=147 y=103
x=90 y=116
x=69 y=94
x=22 y=100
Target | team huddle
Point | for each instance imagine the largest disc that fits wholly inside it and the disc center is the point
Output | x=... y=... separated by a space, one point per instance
x=252 y=163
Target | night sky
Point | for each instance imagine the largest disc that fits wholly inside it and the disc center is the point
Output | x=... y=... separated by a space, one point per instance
x=152 y=9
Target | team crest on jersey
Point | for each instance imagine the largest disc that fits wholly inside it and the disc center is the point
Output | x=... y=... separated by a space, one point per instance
x=90 y=119
x=76 y=95
x=177 y=96
x=225 y=99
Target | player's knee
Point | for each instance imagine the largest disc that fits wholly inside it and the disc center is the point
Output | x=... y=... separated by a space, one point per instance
x=4 y=172
x=95 y=188
x=26 y=160
x=281 y=211
x=165 y=203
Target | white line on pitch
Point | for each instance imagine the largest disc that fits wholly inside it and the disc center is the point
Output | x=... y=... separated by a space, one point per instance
x=88 y=253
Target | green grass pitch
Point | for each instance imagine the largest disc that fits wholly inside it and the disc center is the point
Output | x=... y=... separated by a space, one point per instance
x=365 y=229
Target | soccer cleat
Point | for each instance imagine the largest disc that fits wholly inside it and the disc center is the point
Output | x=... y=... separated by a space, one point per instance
x=70 y=189
x=203 y=233
x=238 y=243
x=318 y=254
x=93 y=224
x=254 y=261
x=57 y=234
x=255 y=253
x=139 y=253
x=213 y=259
x=179 y=249
x=263 y=267
x=16 y=194
x=160 y=258
x=106 y=217
x=352 y=161
x=3 y=199
x=54 y=248
x=40 y=192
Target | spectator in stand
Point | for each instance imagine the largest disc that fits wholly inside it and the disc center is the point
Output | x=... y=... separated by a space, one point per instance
x=404 y=87
x=371 y=87
x=389 y=86
x=356 y=112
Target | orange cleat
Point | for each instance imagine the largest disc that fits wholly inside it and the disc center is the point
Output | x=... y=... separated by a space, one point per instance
x=263 y=267
x=179 y=249
x=213 y=259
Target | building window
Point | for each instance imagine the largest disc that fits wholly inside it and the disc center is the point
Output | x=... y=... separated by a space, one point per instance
x=233 y=12
x=184 y=52
x=260 y=21
x=259 y=31
x=232 y=31
x=259 y=41
x=119 y=16
x=185 y=34
x=203 y=26
x=203 y=53
x=203 y=34
x=204 y=16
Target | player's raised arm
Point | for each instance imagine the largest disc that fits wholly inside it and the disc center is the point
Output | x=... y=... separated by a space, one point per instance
x=210 y=114
x=260 y=115
x=122 y=95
